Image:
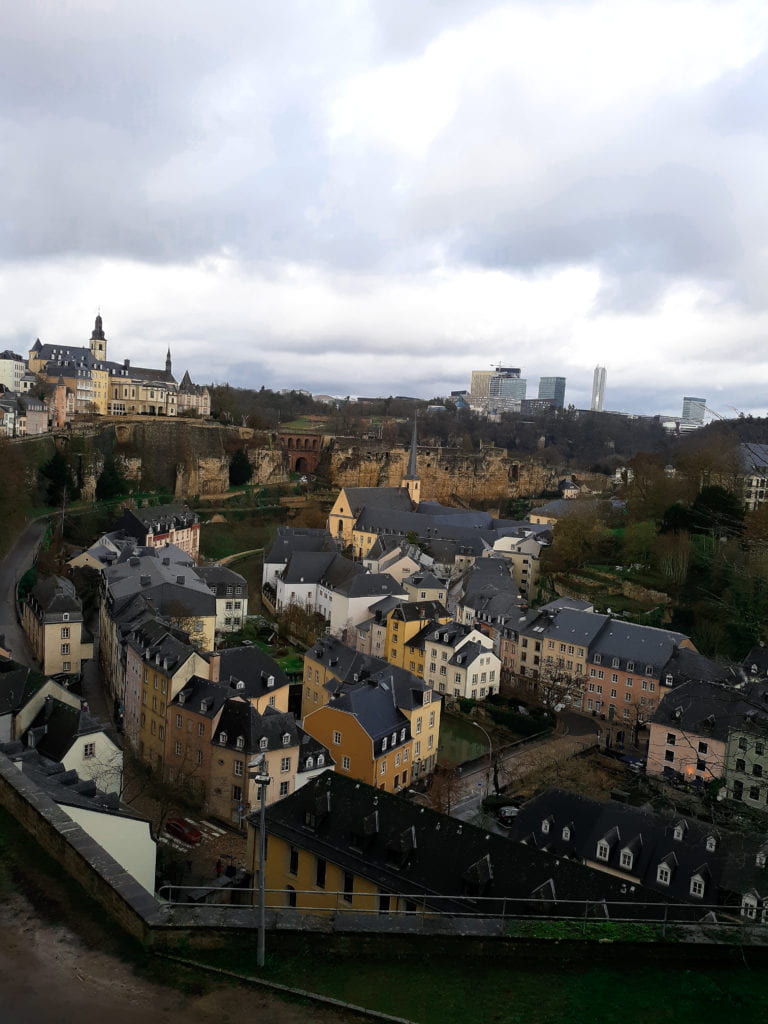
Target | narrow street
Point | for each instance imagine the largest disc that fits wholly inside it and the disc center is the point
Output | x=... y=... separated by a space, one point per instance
x=12 y=568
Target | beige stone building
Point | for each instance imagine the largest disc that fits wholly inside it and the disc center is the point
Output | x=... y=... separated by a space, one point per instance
x=53 y=621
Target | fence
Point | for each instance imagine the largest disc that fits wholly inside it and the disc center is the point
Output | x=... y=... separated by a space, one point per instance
x=421 y=912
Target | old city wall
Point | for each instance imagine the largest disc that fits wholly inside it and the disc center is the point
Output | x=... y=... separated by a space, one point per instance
x=187 y=458
x=447 y=474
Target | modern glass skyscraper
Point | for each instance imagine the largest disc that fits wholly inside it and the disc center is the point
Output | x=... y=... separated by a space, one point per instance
x=553 y=390
x=507 y=387
x=694 y=409
x=598 y=389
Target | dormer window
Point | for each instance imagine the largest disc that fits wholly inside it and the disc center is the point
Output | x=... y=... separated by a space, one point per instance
x=427 y=697
x=65 y=617
x=310 y=763
x=697 y=886
x=240 y=742
x=603 y=850
x=402 y=735
x=615 y=663
x=711 y=844
x=663 y=874
x=668 y=679
x=384 y=744
x=598 y=659
x=320 y=760
x=286 y=739
x=263 y=743
x=679 y=832
x=222 y=738
x=545 y=826
x=566 y=834
x=240 y=685
x=630 y=666
x=760 y=859
x=627 y=858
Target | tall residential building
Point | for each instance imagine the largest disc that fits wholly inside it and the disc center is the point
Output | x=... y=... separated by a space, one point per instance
x=598 y=389
x=552 y=389
x=506 y=387
x=479 y=382
x=694 y=409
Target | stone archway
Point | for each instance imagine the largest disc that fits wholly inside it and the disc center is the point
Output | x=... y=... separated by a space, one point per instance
x=301 y=465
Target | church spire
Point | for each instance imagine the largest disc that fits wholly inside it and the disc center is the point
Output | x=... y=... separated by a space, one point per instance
x=411 y=479
x=168 y=361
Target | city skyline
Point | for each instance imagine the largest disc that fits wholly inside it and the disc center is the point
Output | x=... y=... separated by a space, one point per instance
x=386 y=197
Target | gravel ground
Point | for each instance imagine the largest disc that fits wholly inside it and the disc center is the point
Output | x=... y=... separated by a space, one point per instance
x=49 y=976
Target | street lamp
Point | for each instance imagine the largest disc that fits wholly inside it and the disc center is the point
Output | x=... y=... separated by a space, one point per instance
x=490 y=757
x=258 y=773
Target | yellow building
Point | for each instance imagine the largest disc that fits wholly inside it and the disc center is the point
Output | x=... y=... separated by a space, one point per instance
x=52 y=618
x=383 y=729
x=405 y=625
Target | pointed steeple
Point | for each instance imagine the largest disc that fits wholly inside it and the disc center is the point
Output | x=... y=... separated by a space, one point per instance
x=411 y=480
x=168 y=361
x=98 y=331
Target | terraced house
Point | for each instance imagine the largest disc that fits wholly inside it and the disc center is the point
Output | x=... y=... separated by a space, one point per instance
x=460 y=662
x=52 y=618
x=619 y=668
x=382 y=728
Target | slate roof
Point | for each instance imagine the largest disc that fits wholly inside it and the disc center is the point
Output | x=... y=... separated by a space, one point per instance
x=219 y=577
x=252 y=666
x=756 y=661
x=309 y=747
x=289 y=539
x=704 y=708
x=198 y=691
x=685 y=665
x=367 y=584
x=373 y=707
x=343 y=661
x=401 y=847
x=55 y=595
x=239 y=718
x=395 y=498
x=17 y=685
x=57 y=726
x=65 y=787
x=168 y=585
x=416 y=611
x=138 y=522
x=157 y=644
x=648 y=835
x=425 y=580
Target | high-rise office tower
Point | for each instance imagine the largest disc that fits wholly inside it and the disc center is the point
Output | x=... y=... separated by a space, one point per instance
x=598 y=389
x=552 y=389
x=506 y=387
x=694 y=409
x=478 y=387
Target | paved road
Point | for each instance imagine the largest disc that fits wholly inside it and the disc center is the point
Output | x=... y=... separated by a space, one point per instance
x=12 y=568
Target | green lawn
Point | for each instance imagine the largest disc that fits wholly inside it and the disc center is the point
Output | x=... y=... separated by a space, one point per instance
x=518 y=989
x=241 y=532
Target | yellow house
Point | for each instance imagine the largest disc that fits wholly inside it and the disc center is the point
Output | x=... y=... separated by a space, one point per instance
x=404 y=625
x=383 y=730
x=52 y=618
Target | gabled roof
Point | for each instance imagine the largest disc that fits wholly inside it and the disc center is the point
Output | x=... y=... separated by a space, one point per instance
x=250 y=665
x=703 y=708
x=57 y=726
x=56 y=595
x=401 y=847
x=290 y=538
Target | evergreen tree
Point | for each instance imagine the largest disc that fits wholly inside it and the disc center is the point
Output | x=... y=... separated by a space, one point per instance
x=111 y=482
x=58 y=474
x=240 y=469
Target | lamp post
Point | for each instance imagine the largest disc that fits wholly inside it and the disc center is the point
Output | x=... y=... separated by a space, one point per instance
x=258 y=773
x=490 y=757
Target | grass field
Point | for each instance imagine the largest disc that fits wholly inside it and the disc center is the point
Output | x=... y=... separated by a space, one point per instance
x=241 y=532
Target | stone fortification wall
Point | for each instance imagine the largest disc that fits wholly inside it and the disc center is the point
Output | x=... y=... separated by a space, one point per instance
x=489 y=475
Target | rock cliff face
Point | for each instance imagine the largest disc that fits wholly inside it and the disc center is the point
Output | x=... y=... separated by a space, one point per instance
x=447 y=474
x=188 y=458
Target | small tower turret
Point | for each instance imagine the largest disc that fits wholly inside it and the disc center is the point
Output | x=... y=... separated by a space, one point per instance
x=98 y=341
x=411 y=480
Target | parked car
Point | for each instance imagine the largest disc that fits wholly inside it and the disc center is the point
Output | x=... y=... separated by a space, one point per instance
x=506 y=816
x=181 y=829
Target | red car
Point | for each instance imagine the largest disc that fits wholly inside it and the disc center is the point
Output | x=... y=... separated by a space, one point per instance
x=181 y=829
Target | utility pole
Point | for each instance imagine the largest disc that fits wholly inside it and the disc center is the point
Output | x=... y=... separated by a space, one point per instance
x=261 y=777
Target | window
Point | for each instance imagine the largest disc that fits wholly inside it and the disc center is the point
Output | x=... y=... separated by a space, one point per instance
x=238 y=767
x=66 y=666
x=627 y=858
x=384 y=743
x=738 y=790
x=263 y=743
x=178 y=721
x=741 y=765
x=697 y=886
x=566 y=834
x=603 y=850
x=293 y=861
x=65 y=648
x=177 y=749
x=663 y=874
x=545 y=826
x=349 y=886
x=613 y=693
x=65 y=632
x=320 y=865
x=237 y=793
x=383 y=767
x=285 y=764
x=337 y=738
x=757 y=771
x=702 y=748
x=701 y=766
x=199 y=758
x=742 y=743
x=669 y=755
x=284 y=788
x=711 y=844
x=89 y=750
x=345 y=763
x=759 y=749
x=418 y=726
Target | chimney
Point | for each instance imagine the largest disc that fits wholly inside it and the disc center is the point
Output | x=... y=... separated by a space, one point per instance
x=126 y=363
x=214 y=665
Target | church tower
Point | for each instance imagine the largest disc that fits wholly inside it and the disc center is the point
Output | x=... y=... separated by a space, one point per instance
x=411 y=480
x=168 y=362
x=98 y=342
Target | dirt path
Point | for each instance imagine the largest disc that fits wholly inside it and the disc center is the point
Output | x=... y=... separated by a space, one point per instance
x=49 y=976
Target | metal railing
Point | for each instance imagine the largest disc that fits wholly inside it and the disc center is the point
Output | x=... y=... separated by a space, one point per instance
x=421 y=907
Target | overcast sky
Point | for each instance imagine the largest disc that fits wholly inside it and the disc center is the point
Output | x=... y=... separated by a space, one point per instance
x=378 y=197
